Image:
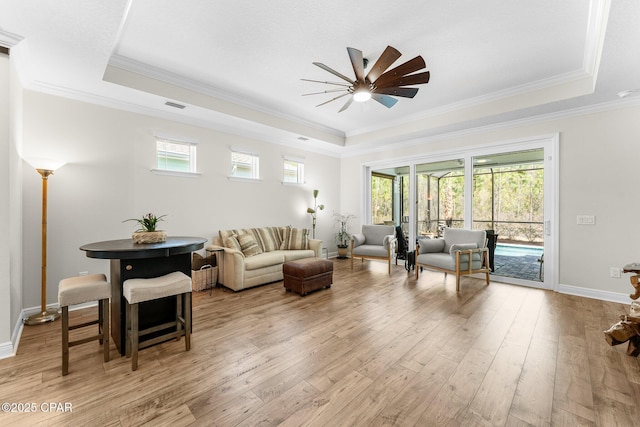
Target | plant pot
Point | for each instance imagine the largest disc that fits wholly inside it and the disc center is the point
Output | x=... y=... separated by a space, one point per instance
x=342 y=251
x=149 y=236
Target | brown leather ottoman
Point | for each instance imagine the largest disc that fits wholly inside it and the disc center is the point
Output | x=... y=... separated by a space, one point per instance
x=306 y=275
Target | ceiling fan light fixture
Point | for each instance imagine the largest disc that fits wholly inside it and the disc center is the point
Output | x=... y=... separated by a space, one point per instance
x=361 y=95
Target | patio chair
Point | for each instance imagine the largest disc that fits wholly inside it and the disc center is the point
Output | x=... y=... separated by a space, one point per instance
x=451 y=254
x=375 y=242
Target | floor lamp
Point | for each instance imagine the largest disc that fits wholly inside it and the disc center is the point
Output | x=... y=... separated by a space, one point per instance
x=44 y=168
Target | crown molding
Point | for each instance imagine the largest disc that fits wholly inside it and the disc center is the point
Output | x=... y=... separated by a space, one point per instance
x=8 y=39
x=517 y=91
x=257 y=132
x=414 y=140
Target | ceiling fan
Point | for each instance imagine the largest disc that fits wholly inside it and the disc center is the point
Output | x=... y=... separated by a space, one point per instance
x=379 y=84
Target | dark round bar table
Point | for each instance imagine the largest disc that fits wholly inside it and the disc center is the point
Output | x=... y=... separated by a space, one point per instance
x=131 y=261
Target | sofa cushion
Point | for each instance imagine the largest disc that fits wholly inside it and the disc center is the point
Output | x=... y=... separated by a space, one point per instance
x=231 y=242
x=295 y=254
x=265 y=259
x=446 y=261
x=284 y=233
x=453 y=236
x=249 y=245
x=375 y=234
x=268 y=238
x=462 y=247
x=371 y=250
x=295 y=238
x=431 y=245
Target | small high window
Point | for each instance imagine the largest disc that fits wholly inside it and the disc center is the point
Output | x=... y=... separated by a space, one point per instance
x=245 y=165
x=293 y=170
x=175 y=156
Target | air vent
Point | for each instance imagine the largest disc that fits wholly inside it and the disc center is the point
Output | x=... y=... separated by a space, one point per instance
x=302 y=138
x=4 y=50
x=174 y=105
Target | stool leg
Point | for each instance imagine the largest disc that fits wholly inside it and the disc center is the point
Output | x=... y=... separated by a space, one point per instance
x=127 y=329
x=187 y=321
x=134 y=337
x=104 y=326
x=65 y=340
x=179 y=323
x=100 y=341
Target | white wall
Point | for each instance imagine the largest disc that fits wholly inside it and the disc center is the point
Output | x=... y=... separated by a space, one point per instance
x=5 y=218
x=598 y=176
x=107 y=179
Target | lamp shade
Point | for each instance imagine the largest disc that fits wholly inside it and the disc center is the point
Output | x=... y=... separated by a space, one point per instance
x=46 y=164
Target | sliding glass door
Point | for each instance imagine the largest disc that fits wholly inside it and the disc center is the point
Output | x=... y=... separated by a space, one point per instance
x=508 y=190
x=439 y=196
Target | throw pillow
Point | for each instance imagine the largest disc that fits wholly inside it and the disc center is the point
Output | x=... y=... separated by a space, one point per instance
x=298 y=239
x=462 y=247
x=249 y=245
x=268 y=238
x=284 y=236
x=231 y=242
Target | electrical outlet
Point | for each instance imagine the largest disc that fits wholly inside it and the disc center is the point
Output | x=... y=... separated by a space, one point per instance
x=83 y=273
x=615 y=272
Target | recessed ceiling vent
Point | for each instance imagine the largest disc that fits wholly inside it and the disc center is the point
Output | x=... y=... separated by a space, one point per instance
x=174 y=105
x=302 y=138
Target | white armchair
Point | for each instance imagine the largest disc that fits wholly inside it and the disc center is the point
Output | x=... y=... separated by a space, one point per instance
x=451 y=253
x=375 y=242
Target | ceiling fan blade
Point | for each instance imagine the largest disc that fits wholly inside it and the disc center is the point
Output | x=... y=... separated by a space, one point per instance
x=346 y=105
x=385 y=100
x=333 y=99
x=388 y=57
x=405 y=92
x=413 y=79
x=325 y=91
x=357 y=63
x=328 y=83
x=332 y=71
x=408 y=67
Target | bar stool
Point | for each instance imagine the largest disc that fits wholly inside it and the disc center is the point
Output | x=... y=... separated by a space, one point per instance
x=78 y=290
x=136 y=291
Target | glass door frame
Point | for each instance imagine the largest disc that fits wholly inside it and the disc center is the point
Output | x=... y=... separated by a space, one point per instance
x=550 y=144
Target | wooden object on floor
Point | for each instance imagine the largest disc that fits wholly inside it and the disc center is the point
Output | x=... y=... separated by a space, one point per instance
x=306 y=275
x=628 y=328
x=137 y=291
x=79 y=290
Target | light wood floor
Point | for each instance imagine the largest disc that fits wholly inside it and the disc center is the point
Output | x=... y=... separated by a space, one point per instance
x=372 y=350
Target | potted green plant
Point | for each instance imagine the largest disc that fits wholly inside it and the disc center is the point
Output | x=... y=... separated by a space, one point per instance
x=342 y=236
x=147 y=232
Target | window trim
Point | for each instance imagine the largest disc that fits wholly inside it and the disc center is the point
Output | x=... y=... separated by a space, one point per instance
x=300 y=162
x=193 y=156
x=255 y=166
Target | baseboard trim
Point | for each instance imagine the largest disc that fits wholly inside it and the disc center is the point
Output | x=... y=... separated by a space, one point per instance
x=9 y=349
x=594 y=294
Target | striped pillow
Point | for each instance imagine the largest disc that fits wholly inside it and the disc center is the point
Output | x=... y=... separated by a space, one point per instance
x=231 y=242
x=284 y=235
x=298 y=238
x=249 y=245
x=268 y=238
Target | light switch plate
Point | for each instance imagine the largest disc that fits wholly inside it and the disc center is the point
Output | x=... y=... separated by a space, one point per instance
x=586 y=220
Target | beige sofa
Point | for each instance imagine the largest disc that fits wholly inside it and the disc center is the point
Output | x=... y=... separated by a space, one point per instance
x=254 y=256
